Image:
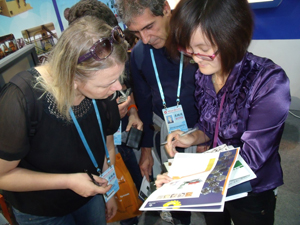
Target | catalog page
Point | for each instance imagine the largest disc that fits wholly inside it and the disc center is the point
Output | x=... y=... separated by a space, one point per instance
x=200 y=182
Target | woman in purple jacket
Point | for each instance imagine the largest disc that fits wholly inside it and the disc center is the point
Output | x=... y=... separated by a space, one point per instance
x=242 y=100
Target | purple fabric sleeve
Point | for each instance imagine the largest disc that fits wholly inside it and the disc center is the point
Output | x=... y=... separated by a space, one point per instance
x=261 y=139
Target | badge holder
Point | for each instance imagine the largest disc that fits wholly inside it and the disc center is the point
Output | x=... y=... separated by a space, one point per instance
x=111 y=177
x=174 y=116
x=175 y=119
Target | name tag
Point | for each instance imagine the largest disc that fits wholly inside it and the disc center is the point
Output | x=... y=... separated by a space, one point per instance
x=175 y=119
x=111 y=177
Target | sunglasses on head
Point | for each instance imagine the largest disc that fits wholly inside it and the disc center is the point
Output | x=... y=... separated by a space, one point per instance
x=104 y=46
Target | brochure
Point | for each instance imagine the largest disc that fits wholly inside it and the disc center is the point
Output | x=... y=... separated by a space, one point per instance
x=200 y=182
x=240 y=173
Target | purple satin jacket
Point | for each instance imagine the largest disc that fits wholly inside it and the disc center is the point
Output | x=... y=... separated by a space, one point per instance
x=257 y=100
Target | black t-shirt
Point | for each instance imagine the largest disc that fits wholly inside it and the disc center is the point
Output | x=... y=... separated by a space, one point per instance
x=55 y=148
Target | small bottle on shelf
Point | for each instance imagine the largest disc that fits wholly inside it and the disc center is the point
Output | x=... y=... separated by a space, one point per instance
x=7 y=50
x=2 y=55
x=12 y=46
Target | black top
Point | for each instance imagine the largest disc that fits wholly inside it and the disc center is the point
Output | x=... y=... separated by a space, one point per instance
x=55 y=148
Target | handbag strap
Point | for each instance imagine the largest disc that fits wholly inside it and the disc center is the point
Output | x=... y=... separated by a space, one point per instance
x=218 y=122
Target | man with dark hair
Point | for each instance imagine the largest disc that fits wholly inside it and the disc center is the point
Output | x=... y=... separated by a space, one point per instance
x=161 y=84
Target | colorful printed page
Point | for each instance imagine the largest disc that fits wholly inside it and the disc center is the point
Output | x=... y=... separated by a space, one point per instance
x=199 y=181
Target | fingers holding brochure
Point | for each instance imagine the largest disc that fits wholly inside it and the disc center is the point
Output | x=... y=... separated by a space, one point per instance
x=162 y=179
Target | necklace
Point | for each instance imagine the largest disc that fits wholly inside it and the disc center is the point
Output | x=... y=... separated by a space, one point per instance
x=213 y=79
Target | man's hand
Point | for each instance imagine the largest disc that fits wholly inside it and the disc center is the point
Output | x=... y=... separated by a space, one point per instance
x=123 y=107
x=146 y=162
x=134 y=120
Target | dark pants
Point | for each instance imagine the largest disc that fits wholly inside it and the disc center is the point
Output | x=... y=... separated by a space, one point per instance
x=182 y=217
x=92 y=213
x=255 y=209
x=132 y=165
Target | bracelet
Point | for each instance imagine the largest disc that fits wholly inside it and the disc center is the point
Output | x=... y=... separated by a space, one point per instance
x=132 y=106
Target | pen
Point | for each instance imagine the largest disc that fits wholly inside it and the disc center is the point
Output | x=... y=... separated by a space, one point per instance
x=92 y=178
x=184 y=133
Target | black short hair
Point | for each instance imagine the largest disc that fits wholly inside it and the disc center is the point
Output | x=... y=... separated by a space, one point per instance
x=130 y=37
x=227 y=24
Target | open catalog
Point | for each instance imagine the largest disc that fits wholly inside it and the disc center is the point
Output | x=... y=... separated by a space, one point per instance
x=201 y=181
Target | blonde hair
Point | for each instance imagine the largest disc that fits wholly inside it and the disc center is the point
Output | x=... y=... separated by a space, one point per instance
x=62 y=65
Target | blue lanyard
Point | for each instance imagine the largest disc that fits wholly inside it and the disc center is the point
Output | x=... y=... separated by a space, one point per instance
x=86 y=145
x=158 y=80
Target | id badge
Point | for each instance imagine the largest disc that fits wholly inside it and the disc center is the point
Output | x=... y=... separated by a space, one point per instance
x=175 y=119
x=111 y=177
x=118 y=135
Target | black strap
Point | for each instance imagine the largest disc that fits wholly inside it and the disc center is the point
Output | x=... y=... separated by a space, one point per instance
x=23 y=81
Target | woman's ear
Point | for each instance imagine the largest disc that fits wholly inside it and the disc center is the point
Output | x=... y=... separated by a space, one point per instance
x=75 y=85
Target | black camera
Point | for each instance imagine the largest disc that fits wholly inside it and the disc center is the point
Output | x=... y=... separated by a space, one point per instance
x=134 y=138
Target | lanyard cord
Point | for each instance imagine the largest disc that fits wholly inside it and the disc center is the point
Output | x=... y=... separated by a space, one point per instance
x=86 y=145
x=158 y=80
x=101 y=130
x=218 y=122
x=180 y=78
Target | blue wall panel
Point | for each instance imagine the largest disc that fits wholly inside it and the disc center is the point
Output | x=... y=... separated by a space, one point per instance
x=282 y=22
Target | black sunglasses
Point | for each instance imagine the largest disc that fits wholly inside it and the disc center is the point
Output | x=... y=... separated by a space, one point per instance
x=104 y=46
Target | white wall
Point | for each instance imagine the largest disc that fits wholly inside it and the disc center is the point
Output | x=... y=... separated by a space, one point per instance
x=173 y=3
x=285 y=53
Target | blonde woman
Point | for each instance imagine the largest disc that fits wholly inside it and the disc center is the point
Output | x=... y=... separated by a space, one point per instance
x=43 y=176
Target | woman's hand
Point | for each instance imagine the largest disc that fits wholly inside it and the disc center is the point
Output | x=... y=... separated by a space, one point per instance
x=111 y=208
x=175 y=140
x=162 y=179
x=82 y=184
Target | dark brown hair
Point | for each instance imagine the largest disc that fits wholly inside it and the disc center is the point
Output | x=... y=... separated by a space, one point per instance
x=227 y=24
x=127 y=9
x=130 y=38
x=91 y=8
